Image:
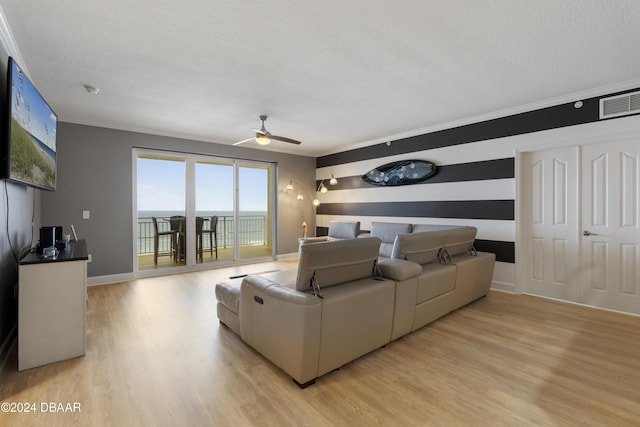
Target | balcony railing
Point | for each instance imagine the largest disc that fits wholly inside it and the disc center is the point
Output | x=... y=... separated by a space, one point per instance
x=252 y=230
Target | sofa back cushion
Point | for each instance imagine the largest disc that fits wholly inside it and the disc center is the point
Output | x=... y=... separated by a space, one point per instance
x=419 y=228
x=460 y=240
x=387 y=232
x=422 y=248
x=333 y=263
x=344 y=230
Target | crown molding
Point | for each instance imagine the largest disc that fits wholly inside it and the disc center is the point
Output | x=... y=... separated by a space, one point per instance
x=551 y=102
x=9 y=42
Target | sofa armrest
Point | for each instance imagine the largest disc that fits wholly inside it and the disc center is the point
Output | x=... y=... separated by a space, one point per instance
x=305 y=240
x=399 y=269
x=282 y=324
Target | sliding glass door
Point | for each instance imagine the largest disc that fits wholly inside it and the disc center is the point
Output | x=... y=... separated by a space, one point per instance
x=194 y=210
x=214 y=192
x=161 y=214
x=255 y=231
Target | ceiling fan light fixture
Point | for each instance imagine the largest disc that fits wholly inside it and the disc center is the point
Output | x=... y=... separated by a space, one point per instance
x=91 y=89
x=262 y=139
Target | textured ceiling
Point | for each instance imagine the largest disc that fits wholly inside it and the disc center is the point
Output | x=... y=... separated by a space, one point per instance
x=334 y=74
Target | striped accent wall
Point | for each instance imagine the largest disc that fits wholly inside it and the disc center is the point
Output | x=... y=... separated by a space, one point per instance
x=475 y=183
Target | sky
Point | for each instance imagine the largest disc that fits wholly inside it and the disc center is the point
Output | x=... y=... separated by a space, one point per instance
x=31 y=110
x=161 y=186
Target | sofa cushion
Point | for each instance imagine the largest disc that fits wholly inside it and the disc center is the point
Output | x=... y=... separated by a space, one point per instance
x=228 y=294
x=460 y=240
x=343 y=230
x=436 y=279
x=387 y=232
x=422 y=248
x=419 y=228
x=333 y=263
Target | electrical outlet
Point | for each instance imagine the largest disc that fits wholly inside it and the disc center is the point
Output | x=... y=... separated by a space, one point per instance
x=89 y=258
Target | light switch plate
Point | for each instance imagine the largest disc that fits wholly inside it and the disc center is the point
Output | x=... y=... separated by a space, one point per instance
x=86 y=215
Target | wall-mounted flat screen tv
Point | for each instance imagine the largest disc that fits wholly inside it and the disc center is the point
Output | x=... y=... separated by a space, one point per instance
x=29 y=147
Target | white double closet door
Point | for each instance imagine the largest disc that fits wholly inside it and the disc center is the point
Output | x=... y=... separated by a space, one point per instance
x=581 y=224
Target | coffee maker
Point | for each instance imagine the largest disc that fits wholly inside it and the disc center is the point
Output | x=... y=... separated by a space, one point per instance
x=51 y=236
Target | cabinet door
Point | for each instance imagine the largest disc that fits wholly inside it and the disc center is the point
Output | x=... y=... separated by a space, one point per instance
x=51 y=312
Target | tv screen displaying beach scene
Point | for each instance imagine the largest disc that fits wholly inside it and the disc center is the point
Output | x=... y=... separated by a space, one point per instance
x=32 y=125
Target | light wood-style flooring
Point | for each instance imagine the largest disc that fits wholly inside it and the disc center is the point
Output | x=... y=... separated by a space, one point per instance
x=157 y=356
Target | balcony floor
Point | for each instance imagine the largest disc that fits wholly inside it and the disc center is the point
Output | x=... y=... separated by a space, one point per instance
x=145 y=261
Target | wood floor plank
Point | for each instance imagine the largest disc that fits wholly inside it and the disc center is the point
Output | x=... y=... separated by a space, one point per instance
x=157 y=356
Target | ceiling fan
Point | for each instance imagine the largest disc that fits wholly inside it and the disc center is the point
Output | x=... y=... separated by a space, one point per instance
x=263 y=136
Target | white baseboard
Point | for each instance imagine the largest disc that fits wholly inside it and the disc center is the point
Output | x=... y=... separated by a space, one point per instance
x=287 y=256
x=503 y=286
x=582 y=305
x=109 y=279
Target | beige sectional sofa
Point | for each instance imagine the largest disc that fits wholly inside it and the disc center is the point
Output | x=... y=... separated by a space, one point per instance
x=332 y=310
x=336 y=307
x=452 y=273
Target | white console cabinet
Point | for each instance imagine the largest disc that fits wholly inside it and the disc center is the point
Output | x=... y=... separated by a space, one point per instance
x=52 y=306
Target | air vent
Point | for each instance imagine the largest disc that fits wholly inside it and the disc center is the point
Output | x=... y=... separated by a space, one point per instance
x=620 y=105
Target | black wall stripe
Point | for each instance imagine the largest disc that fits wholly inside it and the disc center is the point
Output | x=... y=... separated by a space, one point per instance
x=474 y=171
x=532 y=121
x=505 y=251
x=467 y=209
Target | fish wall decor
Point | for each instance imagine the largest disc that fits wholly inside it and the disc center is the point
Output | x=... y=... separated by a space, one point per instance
x=403 y=172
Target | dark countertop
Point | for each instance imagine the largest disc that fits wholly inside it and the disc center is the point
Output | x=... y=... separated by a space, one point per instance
x=76 y=251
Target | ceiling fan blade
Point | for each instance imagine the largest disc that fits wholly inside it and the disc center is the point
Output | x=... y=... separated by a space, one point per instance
x=285 y=139
x=263 y=132
x=243 y=141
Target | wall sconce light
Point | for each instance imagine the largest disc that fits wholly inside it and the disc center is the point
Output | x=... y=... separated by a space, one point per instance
x=300 y=196
x=289 y=186
x=322 y=189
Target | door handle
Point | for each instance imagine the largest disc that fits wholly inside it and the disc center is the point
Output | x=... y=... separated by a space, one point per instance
x=588 y=233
